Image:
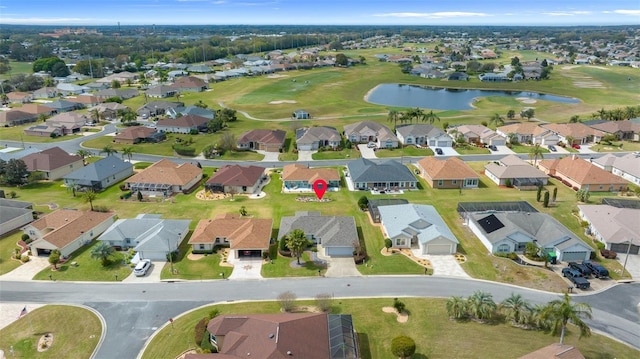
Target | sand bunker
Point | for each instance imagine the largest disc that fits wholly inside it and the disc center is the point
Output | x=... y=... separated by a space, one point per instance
x=276 y=76
x=528 y=100
x=281 y=102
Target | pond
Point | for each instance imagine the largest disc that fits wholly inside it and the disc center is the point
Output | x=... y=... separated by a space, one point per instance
x=438 y=98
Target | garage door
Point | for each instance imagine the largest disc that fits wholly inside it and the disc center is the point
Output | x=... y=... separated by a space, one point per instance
x=574 y=256
x=339 y=251
x=622 y=248
x=249 y=253
x=305 y=147
x=444 y=144
x=498 y=142
x=438 y=249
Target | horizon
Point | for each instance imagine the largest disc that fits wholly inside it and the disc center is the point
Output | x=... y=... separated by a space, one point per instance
x=319 y=13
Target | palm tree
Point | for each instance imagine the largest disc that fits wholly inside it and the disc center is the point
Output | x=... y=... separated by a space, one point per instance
x=481 y=305
x=109 y=150
x=297 y=242
x=89 y=196
x=431 y=117
x=516 y=308
x=83 y=153
x=535 y=152
x=95 y=115
x=457 y=307
x=497 y=120
x=512 y=138
x=562 y=311
x=570 y=140
x=102 y=252
x=574 y=119
x=416 y=114
x=393 y=116
x=127 y=151
x=406 y=117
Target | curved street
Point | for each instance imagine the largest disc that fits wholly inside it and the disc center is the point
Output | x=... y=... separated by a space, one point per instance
x=133 y=312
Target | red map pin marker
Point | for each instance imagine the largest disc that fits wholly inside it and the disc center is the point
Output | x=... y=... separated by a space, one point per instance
x=320 y=187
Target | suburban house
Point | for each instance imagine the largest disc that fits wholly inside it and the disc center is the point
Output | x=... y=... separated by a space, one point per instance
x=69 y=122
x=121 y=77
x=417 y=227
x=236 y=179
x=575 y=172
x=369 y=131
x=43 y=130
x=263 y=140
x=312 y=138
x=19 y=97
x=390 y=175
x=423 y=134
x=161 y=91
x=45 y=92
x=508 y=231
x=300 y=115
x=450 y=173
x=137 y=134
x=616 y=227
x=37 y=109
x=99 y=175
x=579 y=132
x=85 y=100
x=184 y=124
x=623 y=130
x=529 y=132
x=68 y=89
x=157 y=108
x=165 y=178
x=478 y=134
x=192 y=110
x=109 y=110
x=627 y=166
x=17 y=154
x=123 y=94
x=14 y=214
x=66 y=230
x=60 y=106
x=335 y=235
x=296 y=335
x=54 y=163
x=189 y=84
x=16 y=117
x=513 y=171
x=148 y=234
x=298 y=177
x=246 y=237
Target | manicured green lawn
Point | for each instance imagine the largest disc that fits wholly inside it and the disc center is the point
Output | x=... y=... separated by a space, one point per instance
x=471 y=150
x=436 y=336
x=336 y=155
x=206 y=267
x=621 y=146
x=7 y=246
x=520 y=148
x=76 y=333
x=18 y=68
x=88 y=269
x=16 y=133
x=287 y=267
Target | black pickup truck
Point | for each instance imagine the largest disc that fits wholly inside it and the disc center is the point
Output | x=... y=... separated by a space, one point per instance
x=576 y=278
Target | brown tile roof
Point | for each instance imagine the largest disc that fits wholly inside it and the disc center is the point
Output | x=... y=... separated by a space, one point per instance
x=132 y=133
x=49 y=159
x=451 y=168
x=36 y=109
x=17 y=95
x=575 y=130
x=15 y=115
x=236 y=175
x=263 y=136
x=67 y=225
x=524 y=128
x=581 y=171
x=615 y=126
x=85 y=99
x=183 y=121
x=167 y=172
x=189 y=82
x=555 y=351
x=298 y=172
x=273 y=336
x=242 y=233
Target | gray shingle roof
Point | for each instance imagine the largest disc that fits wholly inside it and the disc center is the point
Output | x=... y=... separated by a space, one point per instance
x=363 y=170
x=98 y=170
x=149 y=233
x=331 y=231
x=419 y=130
x=422 y=221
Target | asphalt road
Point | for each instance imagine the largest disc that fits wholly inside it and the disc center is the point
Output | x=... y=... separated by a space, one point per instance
x=132 y=312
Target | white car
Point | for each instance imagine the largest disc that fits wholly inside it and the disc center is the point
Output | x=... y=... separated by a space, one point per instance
x=142 y=267
x=371 y=145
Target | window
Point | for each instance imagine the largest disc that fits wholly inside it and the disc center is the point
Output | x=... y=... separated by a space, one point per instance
x=503 y=248
x=454 y=181
x=409 y=140
x=401 y=242
x=439 y=183
x=201 y=246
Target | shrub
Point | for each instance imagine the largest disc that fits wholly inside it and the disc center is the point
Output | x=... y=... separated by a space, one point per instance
x=600 y=245
x=184 y=150
x=205 y=344
x=103 y=209
x=273 y=251
x=403 y=346
x=363 y=202
x=25 y=237
x=200 y=330
x=24 y=259
x=213 y=313
x=323 y=302
x=398 y=305
x=286 y=300
x=513 y=256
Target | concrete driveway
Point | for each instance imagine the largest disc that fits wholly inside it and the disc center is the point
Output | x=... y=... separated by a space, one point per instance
x=446 y=151
x=633 y=264
x=152 y=276
x=341 y=267
x=28 y=270
x=366 y=152
x=305 y=155
x=444 y=265
x=245 y=268
x=269 y=156
x=502 y=150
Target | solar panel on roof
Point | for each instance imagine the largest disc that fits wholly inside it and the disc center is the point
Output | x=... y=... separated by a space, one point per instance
x=490 y=223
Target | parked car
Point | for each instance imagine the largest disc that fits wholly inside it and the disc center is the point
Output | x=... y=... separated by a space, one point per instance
x=493 y=148
x=576 y=278
x=439 y=151
x=552 y=148
x=570 y=272
x=583 y=269
x=597 y=270
x=577 y=147
x=371 y=145
x=142 y=267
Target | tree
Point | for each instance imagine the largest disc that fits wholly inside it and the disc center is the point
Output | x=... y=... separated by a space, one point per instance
x=243 y=211
x=394 y=116
x=570 y=140
x=574 y=119
x=15 y=171
x=95 y=115
x=431 y=117
x=555 y=194
x=513 y=138
x=102 y=251
x=388 y=243
x=528 y=113
x=89 y=196
x=481 y=305
x=215 y=125
x=116 y=84
x=363 y=202
x=228 y=142
x=539 y=193
x=139 y=196
x=323 y=301
x=109 y=150
x=535 y=152
x=560 y=312
x=403 y=346
x=297 y=242
x=511 y=114
x=286 y=300
x=545 y=202
x=515 y=308
x=583 y=195
x=456 y=307
x=83 y=153
x=497 y=120
x=127 y=151
x=201 y=104
x=54 y=258
x=342 y=60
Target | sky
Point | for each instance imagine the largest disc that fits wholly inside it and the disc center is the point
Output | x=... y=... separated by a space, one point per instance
x=320 y=12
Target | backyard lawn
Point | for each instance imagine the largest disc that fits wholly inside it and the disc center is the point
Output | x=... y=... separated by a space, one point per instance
x=436 y=336
x=8 y=244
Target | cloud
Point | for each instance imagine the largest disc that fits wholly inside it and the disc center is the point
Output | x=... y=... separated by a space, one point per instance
x=567 y=13
x=433 y=15
x=49 y=21
x=628 y=12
